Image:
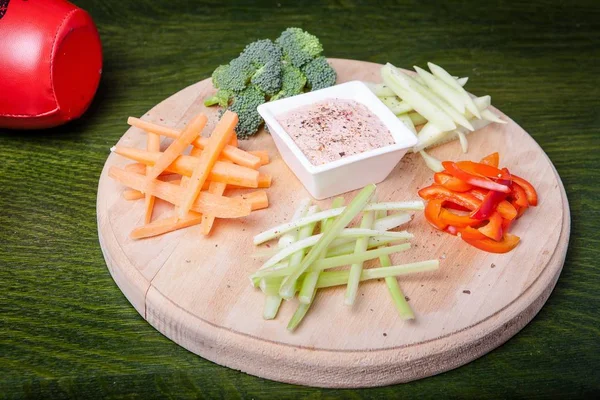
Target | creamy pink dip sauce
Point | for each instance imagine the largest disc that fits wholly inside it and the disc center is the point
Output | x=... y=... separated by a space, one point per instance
x=334 y=128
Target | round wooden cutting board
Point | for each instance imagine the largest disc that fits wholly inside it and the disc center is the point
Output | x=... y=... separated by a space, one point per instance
x=195 y=289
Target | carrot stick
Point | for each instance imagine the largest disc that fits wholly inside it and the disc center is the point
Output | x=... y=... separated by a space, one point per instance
x=264 y=180
x=132 y=194
x=208 y=220
x=184 y=165
x=217 y=141
x=152 y=145
x=221 y=207
x=234 y=141
x=257 y=200
x=262 y=154
x=232 y=153
x=188 y=135
x=166 y=225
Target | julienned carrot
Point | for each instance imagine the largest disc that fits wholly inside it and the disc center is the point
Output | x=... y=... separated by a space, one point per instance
x=132 y=194
x=221 y=207
x=195 y=152
x=208 y=220
x=257 y=200
x=264 y=180
x=153 y=144
x=184 y=165
x=175 y=149
x=166 y=225
x=216 y=142
x=234 y=141
x=232 y=153
x=262 y=154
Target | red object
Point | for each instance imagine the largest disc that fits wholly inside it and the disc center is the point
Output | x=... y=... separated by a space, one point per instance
x=507 y=243
x=450 y=182
x=476 y=174
x=50 y=63
x=491 y=159
x=490 y=199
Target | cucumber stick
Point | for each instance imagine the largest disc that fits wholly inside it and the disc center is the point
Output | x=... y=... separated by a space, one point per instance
x=354 y=208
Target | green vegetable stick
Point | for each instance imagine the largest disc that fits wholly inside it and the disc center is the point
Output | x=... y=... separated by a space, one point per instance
x=442 y=89
x=433 y=163
x=305 y=232
x=285 y=269
x=408 y=122
x=307 y=291
x=356 y=206
x=404 y=88
x=442 y=74
x=272 y=304
x=314 y=240
x=279 y=230
x=395 y=105
x=434 y=98
x=336 y=278
x=299 y=314
x=398 y=298
x=356 y=268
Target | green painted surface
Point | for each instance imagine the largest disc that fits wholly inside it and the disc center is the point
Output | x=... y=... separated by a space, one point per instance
x=67 y=331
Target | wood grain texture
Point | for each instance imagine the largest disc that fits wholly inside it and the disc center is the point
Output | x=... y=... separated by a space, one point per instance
x=197 y=294
x=67 y=331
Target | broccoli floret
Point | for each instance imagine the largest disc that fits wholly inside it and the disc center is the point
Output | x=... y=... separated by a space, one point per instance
x=319 y=74
x=233 y=76
x=221 y=98
x=269 y=77
x=299 y=47
x=244 y=105
x=293 y=82
x=261 y=52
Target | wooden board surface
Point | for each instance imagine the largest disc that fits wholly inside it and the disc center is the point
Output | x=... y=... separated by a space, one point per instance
x=199 y=295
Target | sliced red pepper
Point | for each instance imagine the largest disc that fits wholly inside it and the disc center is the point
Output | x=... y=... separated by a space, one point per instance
x=492 y=159
x=450 y=182
x=507 y=243
x=478 y=193
x=476 y=180
x=532 y=196
x=479 y=169
x=450 y=218
x=506 y=210
x=520 y=197
x=432 y=213
x=453 y=206
x=493 y=229
x=439 y=192
x=506 y=224
x=470 y=233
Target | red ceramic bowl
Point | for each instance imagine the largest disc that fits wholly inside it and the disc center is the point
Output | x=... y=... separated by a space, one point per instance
x=50 y=63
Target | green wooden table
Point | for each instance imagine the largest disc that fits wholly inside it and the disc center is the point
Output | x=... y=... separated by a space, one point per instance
x=67 y=331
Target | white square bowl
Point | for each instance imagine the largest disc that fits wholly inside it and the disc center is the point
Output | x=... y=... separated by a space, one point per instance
x=348 y=173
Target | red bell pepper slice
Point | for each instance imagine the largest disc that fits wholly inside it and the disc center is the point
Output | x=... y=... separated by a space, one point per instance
x=450 y=218
x=532 y=197
x=519 y=196
x=480 y=180
x=450 y=182
x=507 y=243
x=439 y=192
x=491 y=159
x=432 y=214
x=479 y=169
x=453 y=206
x=466 y=232
x=506 y=224
x=493 y=229
x=506 y=210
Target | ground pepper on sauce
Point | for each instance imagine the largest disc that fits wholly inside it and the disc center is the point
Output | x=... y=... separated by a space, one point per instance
x=334 y=128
